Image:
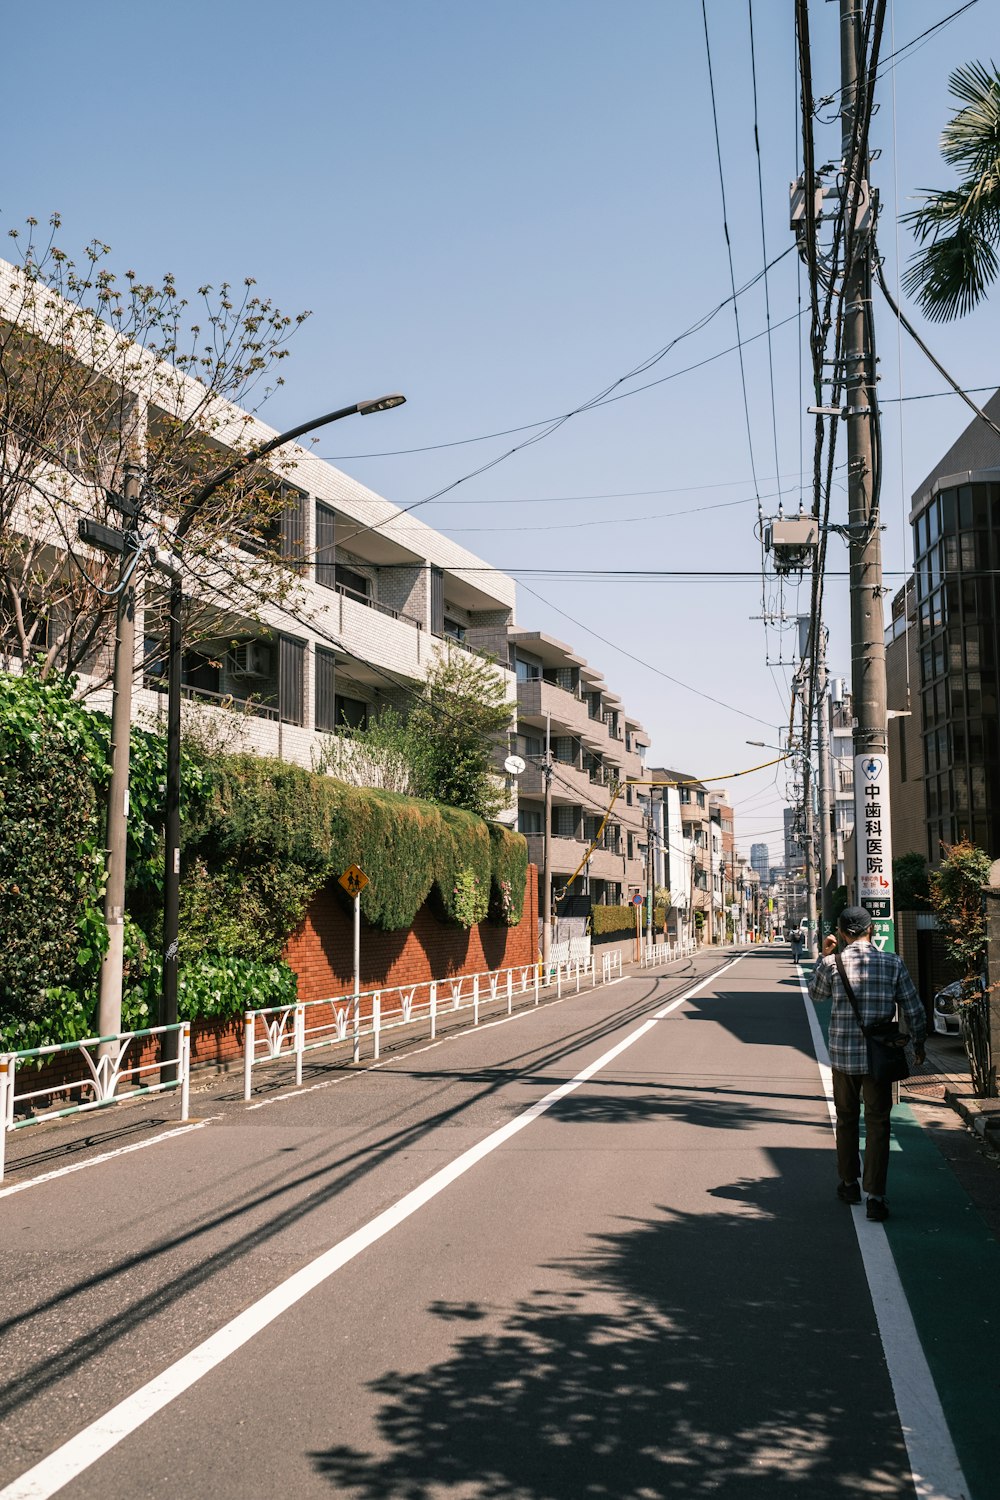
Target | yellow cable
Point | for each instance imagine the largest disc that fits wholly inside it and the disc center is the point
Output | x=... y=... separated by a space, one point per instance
x=693 y=781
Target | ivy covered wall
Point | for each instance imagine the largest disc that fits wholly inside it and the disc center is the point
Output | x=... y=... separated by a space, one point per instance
x=260 y=839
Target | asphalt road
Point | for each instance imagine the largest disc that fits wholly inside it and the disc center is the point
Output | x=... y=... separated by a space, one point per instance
x=473 y=1272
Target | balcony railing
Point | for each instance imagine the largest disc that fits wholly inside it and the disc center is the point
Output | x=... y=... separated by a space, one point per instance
x=383 y=609
x=251 y=705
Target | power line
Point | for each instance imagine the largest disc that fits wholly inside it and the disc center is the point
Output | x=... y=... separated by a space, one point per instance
x=552 y=426
x=729 y=247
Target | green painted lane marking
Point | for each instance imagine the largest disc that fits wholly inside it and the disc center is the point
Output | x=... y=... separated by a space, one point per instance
x=949 y=1264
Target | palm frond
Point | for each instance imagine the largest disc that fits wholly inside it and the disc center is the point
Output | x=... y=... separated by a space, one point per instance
x=952 y=274
x=970 y=141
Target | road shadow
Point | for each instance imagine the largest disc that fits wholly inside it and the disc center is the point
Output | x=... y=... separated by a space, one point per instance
x=728 y=1354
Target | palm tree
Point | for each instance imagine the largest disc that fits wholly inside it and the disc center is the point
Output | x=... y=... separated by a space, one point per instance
x=959 y=227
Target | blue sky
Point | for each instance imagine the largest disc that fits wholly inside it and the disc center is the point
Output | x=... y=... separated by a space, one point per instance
x=499 y=209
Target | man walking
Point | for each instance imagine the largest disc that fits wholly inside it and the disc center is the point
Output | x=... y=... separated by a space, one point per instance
x=880 y=983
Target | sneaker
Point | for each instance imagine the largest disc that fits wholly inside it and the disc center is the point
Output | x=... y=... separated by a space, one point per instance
x=849 y=1192
x=877 y=1210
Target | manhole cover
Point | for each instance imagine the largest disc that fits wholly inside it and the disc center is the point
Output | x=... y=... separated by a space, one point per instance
x=926 y=1090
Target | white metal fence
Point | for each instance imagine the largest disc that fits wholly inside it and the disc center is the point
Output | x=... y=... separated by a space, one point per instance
x=653 y=954
x=113 y=1072
x=289 y=1032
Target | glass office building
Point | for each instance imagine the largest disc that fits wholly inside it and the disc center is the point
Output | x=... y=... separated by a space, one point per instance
x=956 y=531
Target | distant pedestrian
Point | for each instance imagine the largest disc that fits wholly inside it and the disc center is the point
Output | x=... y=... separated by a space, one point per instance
x=880 y=983
x=797 y=945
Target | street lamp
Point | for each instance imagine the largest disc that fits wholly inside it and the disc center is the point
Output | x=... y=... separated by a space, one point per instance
x=172 y=810
x=808 y=765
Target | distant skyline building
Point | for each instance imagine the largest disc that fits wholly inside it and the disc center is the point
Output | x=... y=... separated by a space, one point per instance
x=760 y=860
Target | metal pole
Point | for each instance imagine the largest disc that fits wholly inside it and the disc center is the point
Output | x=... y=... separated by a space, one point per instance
x=650 y=882
x=865 y=545
x=109 y=1014
x=827 y=875
x=357 y=945
x=172 y=823
x=711 y=885
x=547 y=853
x=172 y=796
x=810 y=842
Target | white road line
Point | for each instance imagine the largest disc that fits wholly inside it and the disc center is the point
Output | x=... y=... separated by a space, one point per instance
x=80 y=1452
x=93 y=1161
x=937 y=1473
x=659 y=1015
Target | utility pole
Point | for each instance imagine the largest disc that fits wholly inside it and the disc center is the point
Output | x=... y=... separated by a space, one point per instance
x=711 y=883
x=547 y=851
x=825 y=790
x=865 y=546
x=650 y=878
x=109 y=1012
x=810 y=851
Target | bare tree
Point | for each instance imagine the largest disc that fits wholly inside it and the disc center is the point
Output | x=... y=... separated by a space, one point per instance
x=97 y=371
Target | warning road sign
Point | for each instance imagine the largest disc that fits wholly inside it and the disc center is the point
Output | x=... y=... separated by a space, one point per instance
x=354 y=880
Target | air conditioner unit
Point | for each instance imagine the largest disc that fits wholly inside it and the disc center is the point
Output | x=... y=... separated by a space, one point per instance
x=250 y=659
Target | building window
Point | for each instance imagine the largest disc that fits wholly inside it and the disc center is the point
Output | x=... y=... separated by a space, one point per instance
x=529 y=820
x=352 y=583
x=326 y=546
x=291 y=679
x=350 y=713
x=526 y=671
x=325 y=689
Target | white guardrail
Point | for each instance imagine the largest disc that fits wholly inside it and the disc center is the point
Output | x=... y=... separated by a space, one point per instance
x=653 y=954
x=109 y=1078
x=290 y=1031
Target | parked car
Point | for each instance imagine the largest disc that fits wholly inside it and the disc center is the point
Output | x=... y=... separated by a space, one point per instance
x=946 y=1002
x=946 y=1021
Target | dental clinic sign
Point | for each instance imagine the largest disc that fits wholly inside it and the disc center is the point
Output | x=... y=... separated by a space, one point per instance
x=873 y=842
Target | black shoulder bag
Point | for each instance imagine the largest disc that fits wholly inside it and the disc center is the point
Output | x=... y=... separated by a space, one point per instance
x=886 y=1043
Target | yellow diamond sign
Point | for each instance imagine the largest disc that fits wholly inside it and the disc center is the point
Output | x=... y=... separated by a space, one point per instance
x=354 y=880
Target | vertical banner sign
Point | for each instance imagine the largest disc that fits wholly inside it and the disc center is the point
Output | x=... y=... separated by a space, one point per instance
x=873 y=841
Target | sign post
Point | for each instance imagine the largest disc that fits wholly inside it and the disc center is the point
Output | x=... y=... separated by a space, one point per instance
x=354 y=881
x=873 y=841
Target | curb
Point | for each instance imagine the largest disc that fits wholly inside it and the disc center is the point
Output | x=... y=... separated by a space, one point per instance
x=985 y=1124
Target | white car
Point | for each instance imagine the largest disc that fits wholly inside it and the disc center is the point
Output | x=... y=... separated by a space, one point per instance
x=946 y=1009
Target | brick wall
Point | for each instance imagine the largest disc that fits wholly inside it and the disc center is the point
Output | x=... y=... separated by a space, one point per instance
x=321 y=952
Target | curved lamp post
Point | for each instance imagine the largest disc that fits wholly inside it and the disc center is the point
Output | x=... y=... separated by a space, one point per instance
x=172 y=819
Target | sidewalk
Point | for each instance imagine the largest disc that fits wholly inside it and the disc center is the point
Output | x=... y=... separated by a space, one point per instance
x=946 y=1077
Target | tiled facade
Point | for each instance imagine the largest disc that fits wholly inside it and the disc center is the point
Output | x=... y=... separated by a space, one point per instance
x=376 y=596
x=595 y=746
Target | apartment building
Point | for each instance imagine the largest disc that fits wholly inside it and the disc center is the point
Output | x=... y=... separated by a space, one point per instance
x=373 y=612
x=370 y=595
x=673 y=855
x=727 y=893
x=595 y=747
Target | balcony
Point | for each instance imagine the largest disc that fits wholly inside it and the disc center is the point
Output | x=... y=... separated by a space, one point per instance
x=383 y=609
x=604 y=864
x=569 y=785
x=538 y=698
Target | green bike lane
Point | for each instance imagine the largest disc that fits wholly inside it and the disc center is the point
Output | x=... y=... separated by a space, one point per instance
x=948 y=1261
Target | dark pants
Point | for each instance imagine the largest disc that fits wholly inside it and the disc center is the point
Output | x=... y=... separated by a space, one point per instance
x=849 y=1090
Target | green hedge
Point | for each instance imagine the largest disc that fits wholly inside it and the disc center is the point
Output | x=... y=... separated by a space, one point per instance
x=260 y=838
x=271 y=835
x=608 y=919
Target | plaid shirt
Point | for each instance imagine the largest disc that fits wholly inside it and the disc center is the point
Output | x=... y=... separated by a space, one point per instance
x=880 y=983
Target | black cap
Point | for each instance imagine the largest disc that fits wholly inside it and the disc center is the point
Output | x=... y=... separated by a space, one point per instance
x=854 y=920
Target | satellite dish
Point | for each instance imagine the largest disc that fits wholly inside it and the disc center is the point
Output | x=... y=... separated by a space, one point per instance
x=513 y=765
